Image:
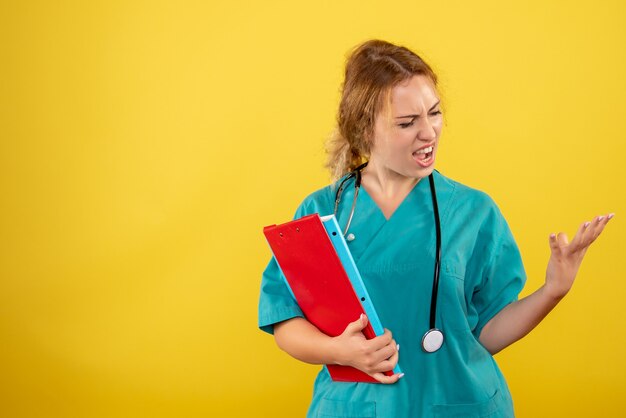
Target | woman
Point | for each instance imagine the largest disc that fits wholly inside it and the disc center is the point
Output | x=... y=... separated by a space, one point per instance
x=390 y=117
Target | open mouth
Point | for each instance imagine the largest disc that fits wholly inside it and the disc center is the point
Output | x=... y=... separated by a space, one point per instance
x=424 y=153
x=424 y=156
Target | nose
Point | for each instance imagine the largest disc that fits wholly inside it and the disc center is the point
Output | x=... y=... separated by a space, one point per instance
x=426 y=131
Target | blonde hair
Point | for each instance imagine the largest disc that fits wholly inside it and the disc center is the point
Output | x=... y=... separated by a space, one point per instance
x=372 y=70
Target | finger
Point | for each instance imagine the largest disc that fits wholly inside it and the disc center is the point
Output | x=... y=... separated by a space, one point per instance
x=593 y=230
x=394 y=346
x=384 y=353
x=382 y=378
x=383 y=366
x=554 y=245
x=562 y=240
x=387 y=357
x=393 y=360
x=599 y=227
x=381 y=341
x=577 y=242
x=356 y=326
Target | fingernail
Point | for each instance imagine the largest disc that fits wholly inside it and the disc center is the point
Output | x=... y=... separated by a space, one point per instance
x=552 y=236
x=401 y=375
x=611 y=215
x=587 y=224
x=600 y=218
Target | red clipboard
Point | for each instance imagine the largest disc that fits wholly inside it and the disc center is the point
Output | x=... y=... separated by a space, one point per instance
x=319 y=283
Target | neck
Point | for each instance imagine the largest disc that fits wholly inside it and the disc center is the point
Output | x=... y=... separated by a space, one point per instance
x=380 y=179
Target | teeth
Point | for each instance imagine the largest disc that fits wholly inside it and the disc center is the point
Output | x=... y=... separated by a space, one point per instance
x=425 y=150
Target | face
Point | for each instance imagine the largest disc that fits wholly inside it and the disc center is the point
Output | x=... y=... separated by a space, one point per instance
x=406 y=136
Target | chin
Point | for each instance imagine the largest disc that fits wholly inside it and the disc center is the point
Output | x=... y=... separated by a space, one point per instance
x=423 y=172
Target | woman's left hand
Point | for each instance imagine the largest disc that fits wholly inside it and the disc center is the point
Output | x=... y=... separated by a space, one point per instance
x=566 y=257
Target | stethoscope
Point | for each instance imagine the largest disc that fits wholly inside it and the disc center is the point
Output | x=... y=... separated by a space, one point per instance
x=433 y=338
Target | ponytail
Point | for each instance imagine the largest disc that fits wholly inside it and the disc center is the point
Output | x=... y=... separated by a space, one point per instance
x=342 y=158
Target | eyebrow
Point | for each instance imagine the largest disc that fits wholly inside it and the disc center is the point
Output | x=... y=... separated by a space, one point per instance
x=414 y=116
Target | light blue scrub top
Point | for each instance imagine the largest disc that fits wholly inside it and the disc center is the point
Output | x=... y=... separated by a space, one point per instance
x=481 y=272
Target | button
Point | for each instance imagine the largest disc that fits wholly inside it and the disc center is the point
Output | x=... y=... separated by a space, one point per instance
x=350 y=237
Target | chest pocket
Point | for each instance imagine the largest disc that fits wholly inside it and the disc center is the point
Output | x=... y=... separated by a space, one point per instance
x=332 y=408
x=452 y=302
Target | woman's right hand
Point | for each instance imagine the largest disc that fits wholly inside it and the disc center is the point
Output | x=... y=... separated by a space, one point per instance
x=373 y=357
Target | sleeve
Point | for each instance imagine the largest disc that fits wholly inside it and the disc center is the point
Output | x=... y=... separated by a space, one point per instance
x=503 y=276
x=276 y=302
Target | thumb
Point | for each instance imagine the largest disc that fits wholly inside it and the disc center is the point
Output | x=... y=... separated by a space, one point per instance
x=357 y=326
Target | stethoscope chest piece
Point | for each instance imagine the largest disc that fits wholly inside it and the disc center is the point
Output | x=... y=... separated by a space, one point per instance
x=432 y=340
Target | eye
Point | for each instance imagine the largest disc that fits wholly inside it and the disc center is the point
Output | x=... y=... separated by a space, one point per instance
x=405 y=125
x=435 y=113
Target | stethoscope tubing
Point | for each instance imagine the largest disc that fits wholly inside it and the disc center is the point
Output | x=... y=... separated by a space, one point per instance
x=357 y=186
x=356 y=173
x=433 y=299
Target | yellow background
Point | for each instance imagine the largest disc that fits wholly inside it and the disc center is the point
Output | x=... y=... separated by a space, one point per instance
x=144 y=145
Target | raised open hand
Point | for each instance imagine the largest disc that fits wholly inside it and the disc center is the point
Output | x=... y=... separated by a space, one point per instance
x=566 y=257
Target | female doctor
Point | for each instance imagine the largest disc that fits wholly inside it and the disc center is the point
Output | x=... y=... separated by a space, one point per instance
x=437 y=257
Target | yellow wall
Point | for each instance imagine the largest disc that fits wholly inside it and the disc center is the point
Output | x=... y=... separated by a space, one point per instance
x=144 y=145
